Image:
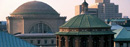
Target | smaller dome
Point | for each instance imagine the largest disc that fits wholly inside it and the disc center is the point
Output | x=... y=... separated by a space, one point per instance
x=34 y=7
x=85 y=21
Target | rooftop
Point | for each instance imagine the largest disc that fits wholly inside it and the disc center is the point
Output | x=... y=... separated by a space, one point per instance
x=84 y=21
x=122 y=34
x=36 y=35
x=8 y=40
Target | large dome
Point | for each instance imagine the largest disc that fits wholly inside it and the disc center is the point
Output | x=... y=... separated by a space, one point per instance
x=34 y=7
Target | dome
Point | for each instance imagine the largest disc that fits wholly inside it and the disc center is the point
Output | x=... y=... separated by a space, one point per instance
x=85 y=24
x=85 y=21
x=34 y=7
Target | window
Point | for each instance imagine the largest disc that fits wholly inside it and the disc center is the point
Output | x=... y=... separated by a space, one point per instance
x=38 y=41
x=45 y=41
x=40 y=28
x=52 y=41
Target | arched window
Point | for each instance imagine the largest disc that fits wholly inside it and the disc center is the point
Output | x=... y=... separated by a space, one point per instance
x=40 y=28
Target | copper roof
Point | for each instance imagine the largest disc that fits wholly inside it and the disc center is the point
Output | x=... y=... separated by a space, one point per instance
x=8 y=40
x=85 y=21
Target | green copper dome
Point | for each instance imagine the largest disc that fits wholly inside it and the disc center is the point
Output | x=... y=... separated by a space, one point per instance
x=85 y=21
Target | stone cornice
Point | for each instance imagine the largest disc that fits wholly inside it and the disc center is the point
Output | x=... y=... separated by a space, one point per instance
x=20 y=17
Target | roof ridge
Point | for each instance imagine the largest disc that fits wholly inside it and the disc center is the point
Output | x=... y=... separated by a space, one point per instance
x=68 y=21
x=81 y=20
x=74 y=21
x=88 y=21
x=119 y=31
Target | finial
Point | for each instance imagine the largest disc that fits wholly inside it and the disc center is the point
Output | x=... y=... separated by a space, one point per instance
x=84 y=7
x=84 y=0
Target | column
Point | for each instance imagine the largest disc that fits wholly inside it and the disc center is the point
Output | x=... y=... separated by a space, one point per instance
x=77 y=42
x=66 y=41
x=124 y=44
x=90 y=41
x=60 y=41
x=101 y=41
x=57 y=41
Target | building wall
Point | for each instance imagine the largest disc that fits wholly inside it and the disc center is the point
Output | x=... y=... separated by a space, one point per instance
x=107 y=11
x=3 y=26
x=23 y=25
x=77 y=10
x=44 y=42
x=98 y=1
x=15 y=25
x=52 y=23
x=92 y=11
x=119 y=21
x=102 y=1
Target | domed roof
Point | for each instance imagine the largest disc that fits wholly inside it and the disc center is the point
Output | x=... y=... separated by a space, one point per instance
x=34 y=7
x=84 y=21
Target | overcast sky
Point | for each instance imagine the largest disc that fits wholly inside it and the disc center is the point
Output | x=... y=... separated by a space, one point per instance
x=64 y=7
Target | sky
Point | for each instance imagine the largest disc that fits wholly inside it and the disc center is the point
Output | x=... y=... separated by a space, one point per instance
x=63 y=7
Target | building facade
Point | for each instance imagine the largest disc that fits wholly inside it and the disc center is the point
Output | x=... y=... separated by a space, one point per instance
x=3 y=26
x=85 y=30
x=120 y=21
x=103 y=9
x=125 y=16
x=92 y=11
x=39 y=39
x=35 y=19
